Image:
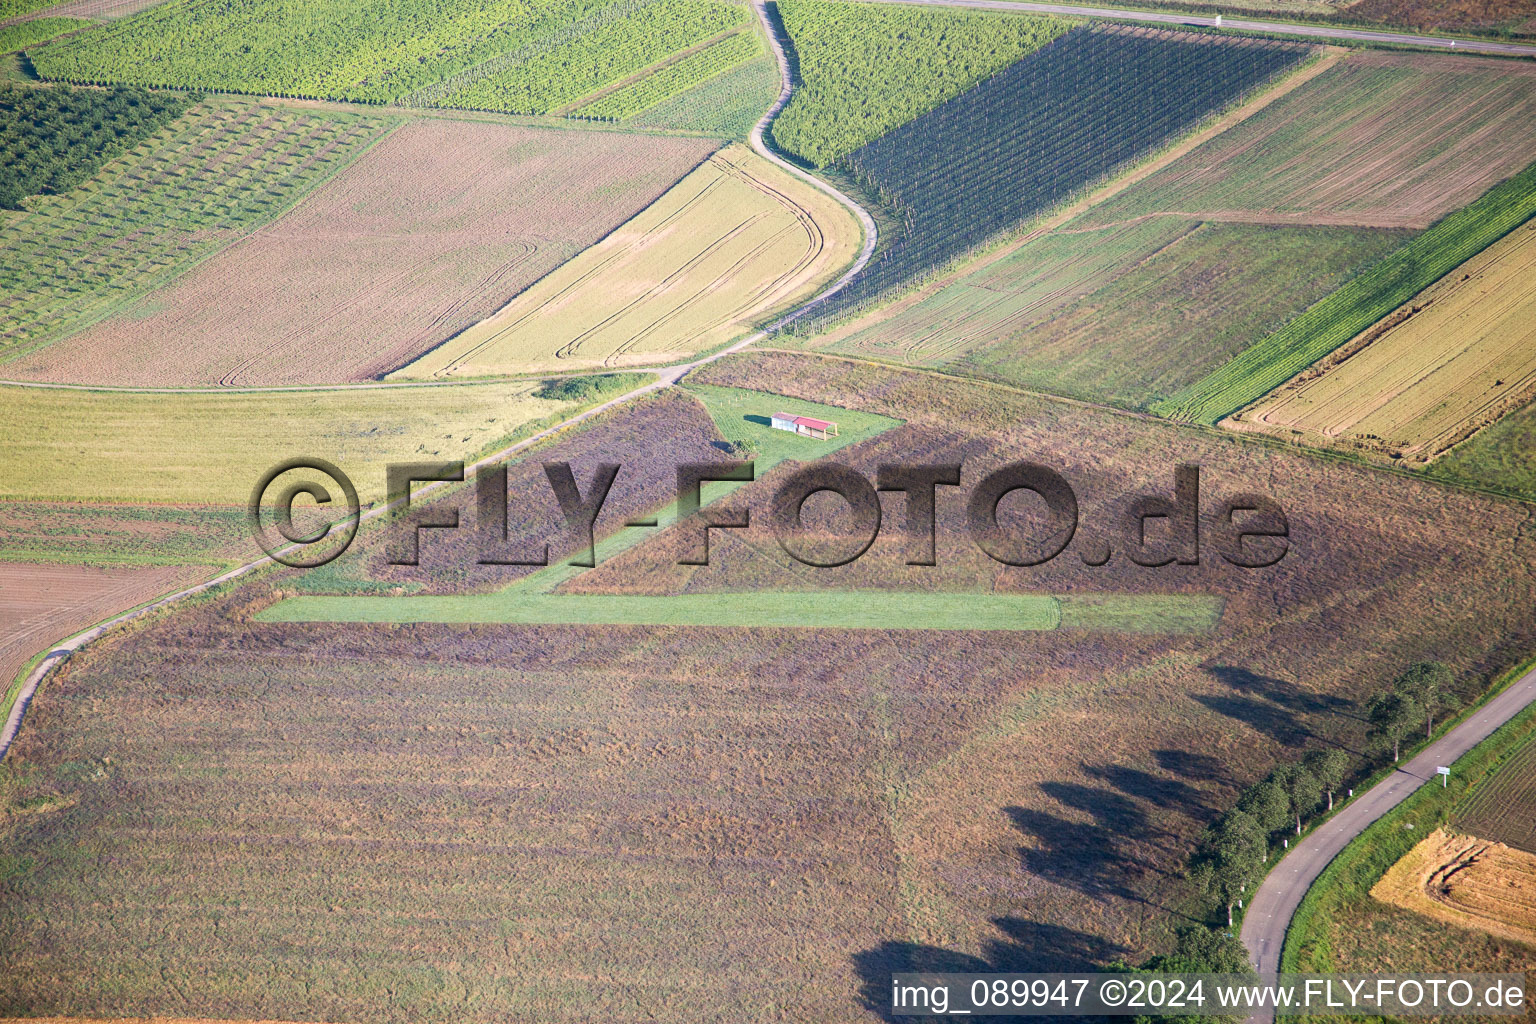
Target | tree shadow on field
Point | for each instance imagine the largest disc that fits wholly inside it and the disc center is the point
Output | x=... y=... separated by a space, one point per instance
x=1190 y=765
x=1164 y=794
x=1280 y=724
x=1024 y=946
x=1281 y=692
x=1090 y=857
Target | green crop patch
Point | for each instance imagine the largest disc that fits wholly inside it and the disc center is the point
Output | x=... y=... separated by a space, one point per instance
x=197 y=184
x=867 y=68
x=544 y=80
x=727 y=105
x=675 y=77
x=1357 y=305
x=373 y=51
x=38 y=30
x=810 y=610
x=53 y=139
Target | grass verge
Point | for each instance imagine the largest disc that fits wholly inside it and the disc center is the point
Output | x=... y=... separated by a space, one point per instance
x=1308 y=946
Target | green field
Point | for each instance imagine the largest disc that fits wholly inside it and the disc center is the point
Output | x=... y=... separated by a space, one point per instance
x=198 y=184
x=867 y=68
x=1357 y=305
x=373 y=51
x=30 y=33
x=541 y=80
x=727 y=105
x=675 y=77
x=1169 y=319
x=1501 y=457
x=210 y=447
x=53 y=139
x=811 y=610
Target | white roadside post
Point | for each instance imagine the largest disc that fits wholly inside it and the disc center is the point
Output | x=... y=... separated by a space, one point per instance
x=1445 y=776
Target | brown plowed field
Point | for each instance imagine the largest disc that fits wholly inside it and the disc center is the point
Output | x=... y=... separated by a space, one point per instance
x=41 y=604
x=1379 y=140
x=1466 y=882
x=432 y=230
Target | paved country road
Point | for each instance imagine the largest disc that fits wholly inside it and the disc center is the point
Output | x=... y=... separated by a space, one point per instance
x=1310 y=31
x=1274 y=903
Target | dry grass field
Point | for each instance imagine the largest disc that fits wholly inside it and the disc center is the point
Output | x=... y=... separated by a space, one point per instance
x=1467 y=882
x=1379 y=140
x=429 y=232
x=209 y=447
x=1448 y=15
x=42 y=604
x=391 y=822
x=731 y=242
x=1456 y=358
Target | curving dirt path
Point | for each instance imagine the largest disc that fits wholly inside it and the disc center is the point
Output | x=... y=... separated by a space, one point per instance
x=666 y=376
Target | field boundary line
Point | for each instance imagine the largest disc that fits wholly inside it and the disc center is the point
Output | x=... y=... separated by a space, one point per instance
x=1004 y=247
x=61 y=651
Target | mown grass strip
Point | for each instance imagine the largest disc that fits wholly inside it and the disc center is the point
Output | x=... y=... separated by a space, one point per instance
x=1357 y=305
x=811 y=610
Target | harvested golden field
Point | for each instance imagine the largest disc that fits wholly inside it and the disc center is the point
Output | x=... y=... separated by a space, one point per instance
x=42 y=604
x=1467 y=882
x=432 y=230
x=60 y=445
x=731 y=242
x=1378 y=140
x=1456 y=358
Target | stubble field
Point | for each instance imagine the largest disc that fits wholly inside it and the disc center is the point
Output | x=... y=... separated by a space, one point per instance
x=88 y=446
x=718 y=823
x=1454 y=359
x=431 y=231
x=1466 y=882
x=734 y=240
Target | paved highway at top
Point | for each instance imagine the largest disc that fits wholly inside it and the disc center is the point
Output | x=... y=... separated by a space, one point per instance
x=1323 y=32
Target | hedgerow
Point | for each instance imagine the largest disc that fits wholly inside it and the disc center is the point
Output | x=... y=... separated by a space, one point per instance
x=866 y=68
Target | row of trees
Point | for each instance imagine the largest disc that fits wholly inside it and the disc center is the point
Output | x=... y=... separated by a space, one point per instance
x=1234 y=854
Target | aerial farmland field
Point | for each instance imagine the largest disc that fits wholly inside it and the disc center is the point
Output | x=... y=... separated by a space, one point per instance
x=1454 y=359
x=731 y=242
x=667 y=772
x=210 y=447
x=635 y=511
x=432 y=230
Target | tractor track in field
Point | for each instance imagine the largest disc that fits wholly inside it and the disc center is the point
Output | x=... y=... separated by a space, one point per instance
x=666 y=376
